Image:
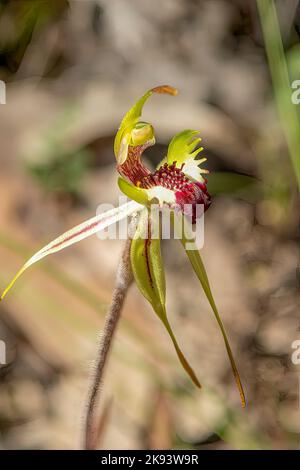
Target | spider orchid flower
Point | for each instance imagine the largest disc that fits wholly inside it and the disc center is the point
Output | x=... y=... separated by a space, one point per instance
x=176 y=185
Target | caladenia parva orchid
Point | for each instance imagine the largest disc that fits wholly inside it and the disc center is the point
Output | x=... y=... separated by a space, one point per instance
x=176 y=185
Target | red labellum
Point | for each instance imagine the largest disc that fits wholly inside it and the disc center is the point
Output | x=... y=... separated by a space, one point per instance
x=188 y=194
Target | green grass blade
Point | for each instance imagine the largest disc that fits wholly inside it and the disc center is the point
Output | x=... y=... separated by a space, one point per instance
x=281 y=81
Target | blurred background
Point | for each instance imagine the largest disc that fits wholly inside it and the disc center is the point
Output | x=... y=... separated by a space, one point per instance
x=72 y=68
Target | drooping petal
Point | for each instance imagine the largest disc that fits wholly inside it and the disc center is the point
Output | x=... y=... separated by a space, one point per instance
x=183 y=151
x=149 y=275
x=123 y=136
x=198 y=266
x=78 y=233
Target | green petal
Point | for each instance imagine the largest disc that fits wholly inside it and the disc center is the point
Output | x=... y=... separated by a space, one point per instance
x=132 y=117
x=198 y=266
x=149 y=275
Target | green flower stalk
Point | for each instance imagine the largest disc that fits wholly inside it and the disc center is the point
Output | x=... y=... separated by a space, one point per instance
x=178 y=186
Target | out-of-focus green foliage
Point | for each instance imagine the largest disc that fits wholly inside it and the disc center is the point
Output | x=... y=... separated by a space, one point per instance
x=233 y=184
x=22 y=19
x=63 y=173
x=60 y=168
x=293 y=63
x=288 y=113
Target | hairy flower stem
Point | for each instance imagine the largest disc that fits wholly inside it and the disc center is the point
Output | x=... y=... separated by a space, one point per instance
x=123 y=281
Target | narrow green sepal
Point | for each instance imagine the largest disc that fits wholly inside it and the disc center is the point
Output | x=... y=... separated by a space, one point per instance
x=148 y=270
x=187 y=237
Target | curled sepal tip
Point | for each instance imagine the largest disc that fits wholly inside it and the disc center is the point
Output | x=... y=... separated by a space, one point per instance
x=165 y=89
x=149 y=275
x=128 y=133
